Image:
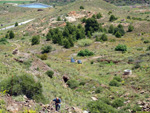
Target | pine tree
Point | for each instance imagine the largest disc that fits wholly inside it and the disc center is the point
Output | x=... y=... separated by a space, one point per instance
x=104 y=37
x=99 y=15
x=48 y=36
x=11 y=34
x=117 y=34
x=89 y=34
x=111 y=29
x=130 y=28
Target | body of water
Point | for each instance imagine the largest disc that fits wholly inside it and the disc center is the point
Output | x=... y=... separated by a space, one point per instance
x=35 y=5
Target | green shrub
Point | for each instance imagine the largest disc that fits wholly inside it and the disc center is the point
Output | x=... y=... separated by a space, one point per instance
x=99 y=90
x=146 y=41
x=46 y=49
x=11 y=34
x=58 y=18
x=81 y=7
x=23 y=85
x=148 y=48
x=50 y=73
x=100 y=107
x=73 y=84
x=44 y=56
x=104 y=37
x=136 y=108
x=112 y=18
x=99 y=15
x=3 y=41
x=35 y=40
x=118 y=102
x=16 y=24
x=114 y=83
x=118 y=35
x=130 y=28
x=121 y=47
x=85 y=52
x=84 y=42
x=117 y=78
x=111 y=29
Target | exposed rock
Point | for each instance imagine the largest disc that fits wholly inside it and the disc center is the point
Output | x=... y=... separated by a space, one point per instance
x=94 y=98
x=16 y=51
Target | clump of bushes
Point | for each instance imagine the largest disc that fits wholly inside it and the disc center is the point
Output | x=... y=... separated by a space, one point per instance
x=10 y=35
x=3 y=41
x=121 y=47
x=118 y=102
x=50 y=73
x=100 y=107
x=46 y=49
x=35 y=40
x=23 y=85
x=73 y=83
x=85 y=52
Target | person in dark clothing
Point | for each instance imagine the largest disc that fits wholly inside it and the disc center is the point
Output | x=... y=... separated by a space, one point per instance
x=57 y=103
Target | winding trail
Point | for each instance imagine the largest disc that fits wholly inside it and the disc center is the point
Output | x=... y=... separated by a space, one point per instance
x=21 y=23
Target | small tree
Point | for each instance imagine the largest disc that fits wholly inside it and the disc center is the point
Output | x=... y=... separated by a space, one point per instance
x=48 y=36
x=46 y=49
x=58 y=18
x=121 y=48
x=81 y=7
x=104 y=37
x=111 y=29
x=130 y=28
x=16 y=24
x=35 y=40
x=11 y=34
x=99 y=15
x=118 y=35
x=112 y=18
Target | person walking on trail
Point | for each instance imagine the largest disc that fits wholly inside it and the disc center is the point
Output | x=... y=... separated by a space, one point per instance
x=57 y=103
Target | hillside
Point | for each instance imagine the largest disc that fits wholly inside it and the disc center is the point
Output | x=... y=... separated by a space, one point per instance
x=36 y=62
x=128 y=2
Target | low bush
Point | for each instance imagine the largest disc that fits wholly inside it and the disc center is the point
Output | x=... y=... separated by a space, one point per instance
x=23 y=85
x=103 y=37
x=81 y=7
x=148 y=48
x=100 y=107
x=114 y=83
x=146 y=41
x=117 y=78
x=46 y=49
x=99 y=90
x=35 y=40
x=50 y=73
x=73 y=84
x=3 y=41
x=118 y=102
x=85 y=52
x=84 y=42
x=121 y=48
x=44 y=56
